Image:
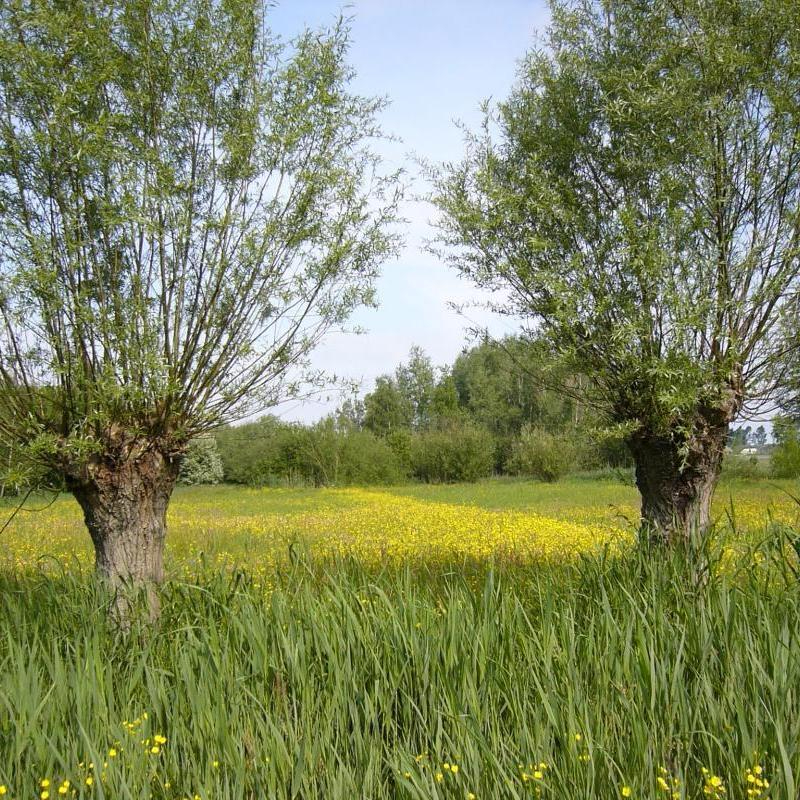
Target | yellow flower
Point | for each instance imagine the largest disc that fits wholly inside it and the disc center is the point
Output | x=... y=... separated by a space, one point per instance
x=626 y=791
x=662 y=784
x=471 y=796
x=538 y=774
x=439 y=777
x=3 y=790
x=89 y=781
x=45 y=783
x=112 y=753
x=454 y=768
x=45 y=794
x=713 y=786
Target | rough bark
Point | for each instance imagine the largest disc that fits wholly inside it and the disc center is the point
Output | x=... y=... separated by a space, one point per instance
x=676 y=479
x=124 y=502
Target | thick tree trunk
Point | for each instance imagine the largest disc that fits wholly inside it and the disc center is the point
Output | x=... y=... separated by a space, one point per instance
x=677 y=484
x=124 y=505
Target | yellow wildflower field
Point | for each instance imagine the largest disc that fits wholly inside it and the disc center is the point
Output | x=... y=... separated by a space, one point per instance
x=256 y=528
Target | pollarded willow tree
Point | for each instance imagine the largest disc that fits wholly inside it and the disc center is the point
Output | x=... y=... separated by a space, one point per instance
x=637 y=196
x=187 y=205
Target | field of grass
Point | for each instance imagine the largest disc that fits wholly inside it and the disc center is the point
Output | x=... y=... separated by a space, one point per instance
x=502 y=640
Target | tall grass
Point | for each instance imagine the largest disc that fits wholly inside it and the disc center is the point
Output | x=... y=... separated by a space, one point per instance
x=344 y=684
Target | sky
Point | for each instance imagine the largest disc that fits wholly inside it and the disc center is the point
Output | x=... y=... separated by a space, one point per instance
x=436 y=61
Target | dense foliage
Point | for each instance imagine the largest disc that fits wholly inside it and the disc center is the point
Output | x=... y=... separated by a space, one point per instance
x=202 y=463
x=459 y=452
x=538 y=453
x=274 y=453
x=785 y=456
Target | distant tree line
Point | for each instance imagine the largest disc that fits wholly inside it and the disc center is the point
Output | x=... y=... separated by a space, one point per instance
x=491 y=412
x=494 y=411
x=502 y=408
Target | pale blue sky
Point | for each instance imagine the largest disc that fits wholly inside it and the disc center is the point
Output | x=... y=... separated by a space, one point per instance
x=436 y=61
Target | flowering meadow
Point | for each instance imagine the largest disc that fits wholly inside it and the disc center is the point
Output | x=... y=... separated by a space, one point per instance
x=507 y=521
x=498 y=640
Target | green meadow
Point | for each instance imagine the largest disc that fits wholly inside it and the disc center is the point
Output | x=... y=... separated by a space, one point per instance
x=285 y=671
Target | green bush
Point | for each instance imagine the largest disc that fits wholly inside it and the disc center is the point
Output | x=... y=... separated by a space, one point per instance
x=330 y=456
x=597 y=448
x=275 y=453
x=369 y=460
x=202 y=463
x=786 y=458
x=735 y=465
x=542 y=455
x=271 y=452
x=459 y=452
x=263 y=453
x=400 y=443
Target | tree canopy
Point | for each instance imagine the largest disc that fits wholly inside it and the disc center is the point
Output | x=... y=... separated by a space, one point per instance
x=187 y=205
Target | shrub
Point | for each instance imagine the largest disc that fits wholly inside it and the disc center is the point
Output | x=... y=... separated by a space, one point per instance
x=458 y=452
x=542 y=455
x=202 y=462
x=263 y=453
x=367 y=460
x=598 y=449
x=275 y=453
x=242 y=447
x=739 y=466
x=786 y=457
x=400 y=443
x=330 y=456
